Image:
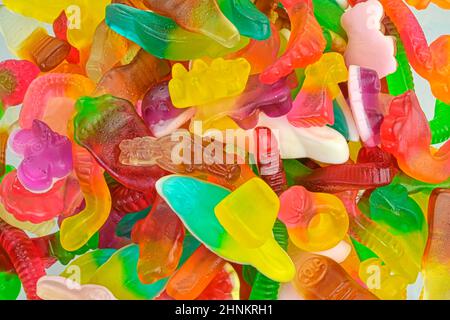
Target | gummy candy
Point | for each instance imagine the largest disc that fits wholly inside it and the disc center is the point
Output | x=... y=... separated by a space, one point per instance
x=205 y=84
x=15 y=78
x=59 y=288
x=47 y=157
x=100 y=125
x=269 y=258
x=436 y=254
x=364 y=90
x=315 y=221
x=405 y=133
x=314 y=103
x=367 y=46
x=28 y=39
x=306 y=43
x=165 y=39
x=222 y=150
x=198 y=16
x=321 y=278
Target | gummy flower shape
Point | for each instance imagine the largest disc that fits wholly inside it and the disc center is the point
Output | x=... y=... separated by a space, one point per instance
x=47 y=156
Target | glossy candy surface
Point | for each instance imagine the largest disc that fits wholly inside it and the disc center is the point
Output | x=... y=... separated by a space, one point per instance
x=223 y=150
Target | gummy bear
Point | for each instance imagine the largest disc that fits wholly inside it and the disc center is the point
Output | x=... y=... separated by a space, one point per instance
x=207 y=83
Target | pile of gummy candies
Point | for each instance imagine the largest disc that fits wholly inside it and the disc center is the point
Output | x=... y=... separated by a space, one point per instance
x=336 y=193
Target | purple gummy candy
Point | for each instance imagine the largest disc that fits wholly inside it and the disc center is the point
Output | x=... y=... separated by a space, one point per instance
x=47 y=157
x=158 y=112
x=364 y=95
x=274 y=100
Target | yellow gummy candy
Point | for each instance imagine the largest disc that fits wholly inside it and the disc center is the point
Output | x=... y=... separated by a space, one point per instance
x=207 y=83
x=249 y=213
x=83 y=15
x=381 y=282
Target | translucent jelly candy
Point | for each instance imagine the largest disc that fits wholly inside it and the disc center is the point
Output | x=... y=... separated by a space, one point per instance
x=15 y=78
x=195 y=275
x=422 y=4
x=250 y=223
x=84 y=16
x=119 y=275
x=306 y=43
x=380 y=282
x=367 y=45
x=24 y=257
x=364 y=89
x=431 y=62
x=30 y=41
x=47 y=157
x=131 y=81
x=198 y=216
x=314 y=103
x=274 y=100
x=59 y=288
x=440 y=125
x=392 y=250
x=405 y=133
x=315 y=221
x=100 y=125
x=159 y=113
x=165 y=39
x=149 y=151
x=78 y=229
x=321 y=278
x=62 y=198
x=206 y=83
x=108 y=48
x=246 y=18
x=268 y=160
x=9 y=286
x=160 y=237
x=376 y=171
x=51 y=98
x=199 y=16
x=435 y=268
x=260 y=54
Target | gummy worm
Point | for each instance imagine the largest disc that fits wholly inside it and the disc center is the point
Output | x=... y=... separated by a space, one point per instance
x=24 y=256
x=77 y=230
